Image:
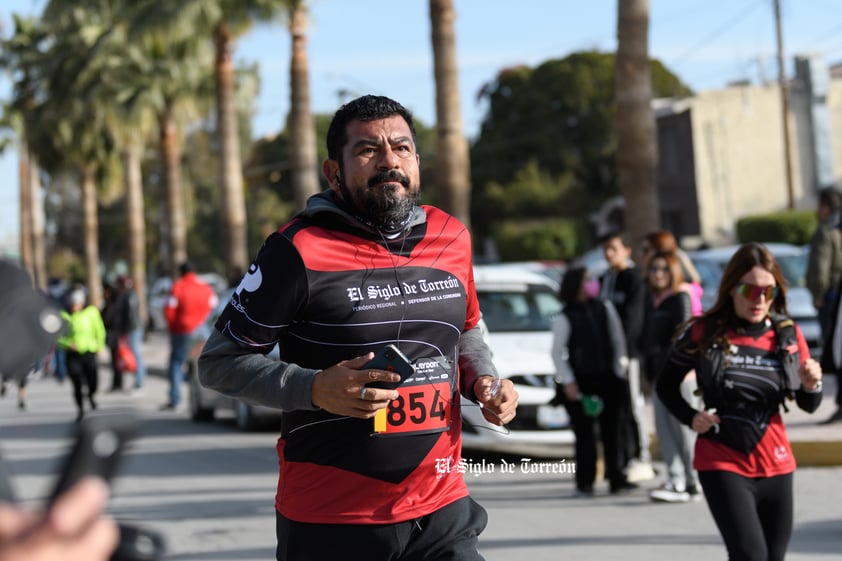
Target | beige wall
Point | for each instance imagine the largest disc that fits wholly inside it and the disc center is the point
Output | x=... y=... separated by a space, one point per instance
x=834 y=107
x=739 y=157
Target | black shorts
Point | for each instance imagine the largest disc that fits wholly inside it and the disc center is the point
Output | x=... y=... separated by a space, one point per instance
x=449 y=534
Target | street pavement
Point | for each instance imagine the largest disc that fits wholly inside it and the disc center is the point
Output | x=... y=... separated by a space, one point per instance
x=208 y=488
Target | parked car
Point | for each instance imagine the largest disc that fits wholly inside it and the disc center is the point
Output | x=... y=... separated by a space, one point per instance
x=206 y=403
x=793 y=261
x=517 y=310
x=159 y=291
x=552 y=269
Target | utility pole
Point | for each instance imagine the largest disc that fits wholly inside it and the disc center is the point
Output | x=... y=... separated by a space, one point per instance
x=784 y=87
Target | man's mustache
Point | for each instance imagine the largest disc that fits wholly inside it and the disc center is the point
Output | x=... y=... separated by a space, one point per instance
x=386 y=176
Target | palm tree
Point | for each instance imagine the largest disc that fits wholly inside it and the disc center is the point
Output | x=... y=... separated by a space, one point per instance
x=172 y=80
x=637 y=156
x=19 y=56
x=222 y=20
x=452 y=160
x=302 y=128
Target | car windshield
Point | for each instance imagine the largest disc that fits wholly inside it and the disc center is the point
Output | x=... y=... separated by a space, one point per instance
x=519 y=308
x=793 y=268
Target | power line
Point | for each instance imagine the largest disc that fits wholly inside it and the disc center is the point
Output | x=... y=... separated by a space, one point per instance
x=718 y=32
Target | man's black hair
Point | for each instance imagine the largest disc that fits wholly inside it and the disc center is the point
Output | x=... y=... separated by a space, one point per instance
x=185 y=268
x=615 y=234
x=365 y=108
x=831 y=198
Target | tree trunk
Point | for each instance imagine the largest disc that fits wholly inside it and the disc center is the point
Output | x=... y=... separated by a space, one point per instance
x=453 y=172
x=135 y=219
x=25 y=221
x=303 y=155
x=36 y=213
x=176 y=215
x=637 y=155
x=90 y=224
x=232 y=206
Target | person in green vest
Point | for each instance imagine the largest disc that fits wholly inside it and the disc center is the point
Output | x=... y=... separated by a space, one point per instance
x=84 y=338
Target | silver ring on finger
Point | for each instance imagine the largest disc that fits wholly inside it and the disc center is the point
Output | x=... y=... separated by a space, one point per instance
x=363 y=393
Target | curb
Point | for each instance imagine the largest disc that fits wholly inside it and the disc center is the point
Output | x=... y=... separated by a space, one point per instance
x=817 y=453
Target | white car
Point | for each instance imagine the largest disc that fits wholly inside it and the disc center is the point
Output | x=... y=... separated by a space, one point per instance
x=517 y=310
x=205 y=403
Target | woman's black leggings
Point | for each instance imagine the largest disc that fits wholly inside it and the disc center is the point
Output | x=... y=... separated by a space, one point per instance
x=754 y=515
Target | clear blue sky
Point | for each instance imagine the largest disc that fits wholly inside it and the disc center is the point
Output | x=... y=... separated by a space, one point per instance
x=383 y=47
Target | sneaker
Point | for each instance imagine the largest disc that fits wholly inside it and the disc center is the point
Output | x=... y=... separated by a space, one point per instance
x=667 y=493
x=695 y=494
x=623 y=488
x=640 y=471
x=22 y=405
x=583 y=493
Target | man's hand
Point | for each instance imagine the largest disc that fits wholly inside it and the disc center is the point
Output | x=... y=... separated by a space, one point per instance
x=341 y=389
x=74 y=529
x=500 y=408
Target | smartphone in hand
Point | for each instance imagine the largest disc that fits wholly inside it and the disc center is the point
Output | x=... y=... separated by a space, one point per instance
x=391 y=359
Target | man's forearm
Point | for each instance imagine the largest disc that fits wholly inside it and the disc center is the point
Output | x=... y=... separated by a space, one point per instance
x=252 y=377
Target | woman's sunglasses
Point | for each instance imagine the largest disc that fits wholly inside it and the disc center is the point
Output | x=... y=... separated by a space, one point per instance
x=752 y=291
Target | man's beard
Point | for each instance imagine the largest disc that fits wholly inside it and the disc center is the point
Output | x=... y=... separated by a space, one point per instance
x=384 y=206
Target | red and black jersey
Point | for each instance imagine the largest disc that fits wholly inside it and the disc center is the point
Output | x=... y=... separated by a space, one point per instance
x=327 y=290
x=752 y=377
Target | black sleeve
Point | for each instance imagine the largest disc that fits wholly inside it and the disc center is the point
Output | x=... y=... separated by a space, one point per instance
x=634 y=311
x=685 y=308
x=268 y=297
x=668 y=386
x=808 y=401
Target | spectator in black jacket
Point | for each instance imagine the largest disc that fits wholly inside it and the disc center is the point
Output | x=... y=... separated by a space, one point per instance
x=589 y=351
x=622 y=285
x=668 y=306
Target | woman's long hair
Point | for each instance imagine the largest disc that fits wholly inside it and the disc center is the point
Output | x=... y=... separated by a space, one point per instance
x=571 y=285
x=673 y=265
x=722 y=315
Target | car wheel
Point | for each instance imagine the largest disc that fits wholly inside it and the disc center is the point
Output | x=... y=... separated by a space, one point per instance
x=197 y=412
x=246 y=419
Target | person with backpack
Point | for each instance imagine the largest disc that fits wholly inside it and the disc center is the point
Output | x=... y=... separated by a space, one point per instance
x=750 y=358
x=589 y=352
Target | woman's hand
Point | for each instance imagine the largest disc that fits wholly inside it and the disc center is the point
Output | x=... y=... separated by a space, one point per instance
x=571 y=391
x=811 y=374
x=703 y=421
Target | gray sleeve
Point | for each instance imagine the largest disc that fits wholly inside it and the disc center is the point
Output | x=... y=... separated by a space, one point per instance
x=474 y=361
x=252 y=377
x=560 y=350
x=618 y=341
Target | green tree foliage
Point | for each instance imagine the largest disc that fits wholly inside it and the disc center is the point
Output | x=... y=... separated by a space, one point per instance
x=559 y=116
